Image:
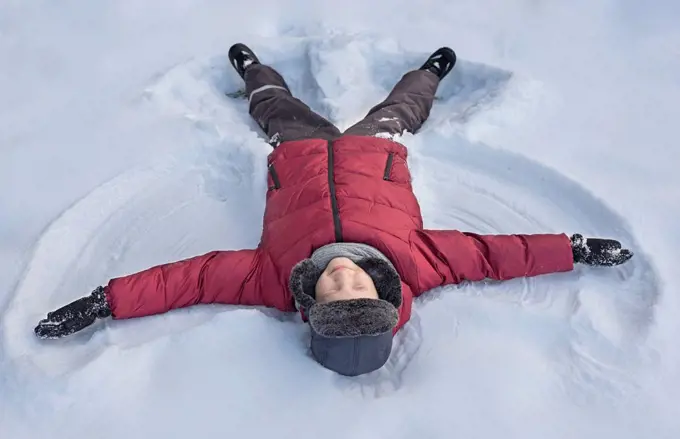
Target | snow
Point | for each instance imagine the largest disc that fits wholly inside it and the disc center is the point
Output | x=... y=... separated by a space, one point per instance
x=120 y=151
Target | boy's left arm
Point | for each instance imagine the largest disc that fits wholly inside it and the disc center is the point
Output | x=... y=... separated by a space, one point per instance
x=454 y=256
x=217 y=277
x=228 y=277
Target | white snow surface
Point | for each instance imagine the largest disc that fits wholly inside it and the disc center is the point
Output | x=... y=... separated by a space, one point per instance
x=120 y=151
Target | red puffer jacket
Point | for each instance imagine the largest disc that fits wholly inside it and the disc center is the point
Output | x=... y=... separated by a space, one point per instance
x=354 y=189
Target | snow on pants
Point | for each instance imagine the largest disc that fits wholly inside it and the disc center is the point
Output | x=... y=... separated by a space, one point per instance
x=283 y=117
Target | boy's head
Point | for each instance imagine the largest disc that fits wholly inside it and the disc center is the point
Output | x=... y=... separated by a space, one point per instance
x=352 y=305
x=342 y=279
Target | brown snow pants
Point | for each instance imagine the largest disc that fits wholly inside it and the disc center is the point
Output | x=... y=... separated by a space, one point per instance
x=284 y=117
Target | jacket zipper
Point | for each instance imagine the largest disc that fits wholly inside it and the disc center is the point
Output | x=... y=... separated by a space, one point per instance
x=275 y=177
x=334 y=199
x=388 y=166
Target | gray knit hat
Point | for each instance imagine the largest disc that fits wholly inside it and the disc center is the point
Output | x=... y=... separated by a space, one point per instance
x=350 y=337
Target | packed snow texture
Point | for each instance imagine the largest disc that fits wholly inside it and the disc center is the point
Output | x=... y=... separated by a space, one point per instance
x=120 y=150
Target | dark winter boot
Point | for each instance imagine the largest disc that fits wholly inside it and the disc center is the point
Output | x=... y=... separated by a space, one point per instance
x=242 y=57
x=440 y=62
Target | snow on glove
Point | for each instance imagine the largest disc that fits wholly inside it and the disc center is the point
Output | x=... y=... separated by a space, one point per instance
x=596 y=251
x=75 y=316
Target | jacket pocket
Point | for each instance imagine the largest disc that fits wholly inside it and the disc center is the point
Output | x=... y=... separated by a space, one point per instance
x=276 y=183
x=388 y=166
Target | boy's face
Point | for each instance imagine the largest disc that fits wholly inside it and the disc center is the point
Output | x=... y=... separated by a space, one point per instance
x=344 y=280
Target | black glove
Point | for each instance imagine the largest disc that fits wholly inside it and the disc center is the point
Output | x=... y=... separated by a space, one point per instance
x=75 y=316
x=596 y=251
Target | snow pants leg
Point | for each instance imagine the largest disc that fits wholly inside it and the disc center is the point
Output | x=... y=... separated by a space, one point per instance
x=282 y=116
x=405 y=109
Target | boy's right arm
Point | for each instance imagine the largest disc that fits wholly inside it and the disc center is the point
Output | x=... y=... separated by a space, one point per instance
x=455 y=256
